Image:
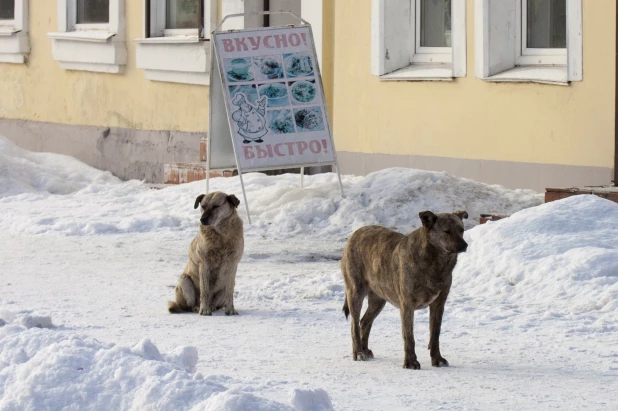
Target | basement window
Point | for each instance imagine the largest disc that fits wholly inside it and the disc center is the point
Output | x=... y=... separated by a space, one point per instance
x=14 y=41
x=90 y=35
x=542 y=35
x=433 y=32
x=418 y=39
x=92 y=12
x=174 y=47
x=529 y=41
x=7 y=10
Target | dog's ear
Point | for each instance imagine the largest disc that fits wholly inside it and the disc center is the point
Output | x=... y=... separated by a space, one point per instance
x=233 y=200
x=461 y=214
x=428 y=218
x=198 y=200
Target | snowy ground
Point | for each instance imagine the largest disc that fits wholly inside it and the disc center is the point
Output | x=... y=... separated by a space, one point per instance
x=531 y=323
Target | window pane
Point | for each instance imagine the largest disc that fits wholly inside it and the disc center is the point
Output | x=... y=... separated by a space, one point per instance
x=92 y=11
x=435 y=23
x=546 y=24
x=183 y=14
x=7 y=9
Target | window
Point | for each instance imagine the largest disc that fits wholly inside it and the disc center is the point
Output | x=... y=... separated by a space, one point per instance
x=171 y=18
x=174 y=46
x=14 y=40
x=418 y=39
x=543 y=32
x=529 y=40
x=7 y=10
x=433 y=31
x=92 y=11
x=90 y=35
x=183 y=15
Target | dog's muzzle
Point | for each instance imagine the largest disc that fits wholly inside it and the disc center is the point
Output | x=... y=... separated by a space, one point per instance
x=204 y=220
x=463 y=246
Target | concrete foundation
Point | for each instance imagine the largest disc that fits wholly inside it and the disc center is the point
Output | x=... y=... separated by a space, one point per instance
x=127 y=153
x=506 y=173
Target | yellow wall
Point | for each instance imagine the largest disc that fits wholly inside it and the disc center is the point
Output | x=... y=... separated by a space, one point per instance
x=469 y=118
x=42 y=91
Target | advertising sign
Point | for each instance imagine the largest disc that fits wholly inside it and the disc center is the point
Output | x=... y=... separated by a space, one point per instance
x=274 y=98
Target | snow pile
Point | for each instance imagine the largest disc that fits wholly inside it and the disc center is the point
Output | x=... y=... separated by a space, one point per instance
x=25 y=319
x=22 y=171
x=46 y=369
x=68 y=197
x=560 y=257
x=311 y=400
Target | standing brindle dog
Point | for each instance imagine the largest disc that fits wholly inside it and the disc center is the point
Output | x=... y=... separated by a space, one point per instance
x=207 y=283
x=410 y=272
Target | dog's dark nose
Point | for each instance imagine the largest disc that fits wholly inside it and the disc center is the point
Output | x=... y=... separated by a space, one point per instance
x=463 y=246
x=204 y=220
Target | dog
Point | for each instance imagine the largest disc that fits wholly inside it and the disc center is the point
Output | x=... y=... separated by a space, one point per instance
x=410 y=272
x=207 y=283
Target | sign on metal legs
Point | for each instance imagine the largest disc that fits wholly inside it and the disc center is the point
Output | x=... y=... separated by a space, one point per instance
x=267 y=106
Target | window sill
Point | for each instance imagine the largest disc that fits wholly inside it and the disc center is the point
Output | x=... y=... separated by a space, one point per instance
x=169 y=40
x=421 y=72
x=93 y=50
x=96 y=36
x=175 y=59
x=556 y=75
x=7 y=31
x=14 y=46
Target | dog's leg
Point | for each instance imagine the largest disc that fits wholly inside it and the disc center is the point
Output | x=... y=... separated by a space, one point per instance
x=185 y=296
x=436 y=310
x=229 y=296
x=407 y=328
x=205 y=290
x=376 y=304
x=355 y=303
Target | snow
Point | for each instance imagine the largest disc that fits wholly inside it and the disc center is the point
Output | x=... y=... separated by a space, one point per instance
x=94 y=202
x=45 y=369
x=88 y=262
x=562 y=256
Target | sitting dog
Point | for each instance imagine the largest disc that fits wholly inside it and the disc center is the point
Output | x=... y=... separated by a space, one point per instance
x=410 y=272
x=207 y=283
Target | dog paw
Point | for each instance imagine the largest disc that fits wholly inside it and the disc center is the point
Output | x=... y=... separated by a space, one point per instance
x=439 y=362
x=369 y=353
x=231 y=311
x=205 y=311
x=360 y=356
x=412 y=364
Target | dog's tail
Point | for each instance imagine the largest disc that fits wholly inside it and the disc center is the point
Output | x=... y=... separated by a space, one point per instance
x=346 y=309
x=174 y=308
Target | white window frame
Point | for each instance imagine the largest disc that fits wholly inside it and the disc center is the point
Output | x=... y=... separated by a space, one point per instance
x=14 y=39
x=96 y=47
x=176 y=55
x=534 y=56
x=500 y=55
x=183 y=55
x=158 y=21
x=395 y=43
x=428 y=54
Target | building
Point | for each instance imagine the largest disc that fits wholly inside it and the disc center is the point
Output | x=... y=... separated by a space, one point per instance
x=516 y=92
x=119 y=84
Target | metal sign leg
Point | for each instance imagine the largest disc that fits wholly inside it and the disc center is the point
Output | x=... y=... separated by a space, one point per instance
x=208 y=173
x=244 y=195
x=302 y=177
x=340 y=183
